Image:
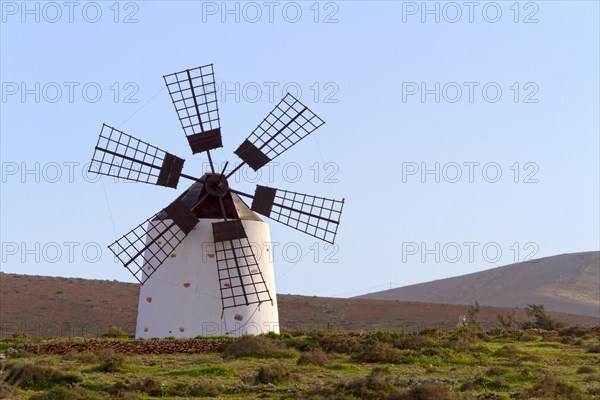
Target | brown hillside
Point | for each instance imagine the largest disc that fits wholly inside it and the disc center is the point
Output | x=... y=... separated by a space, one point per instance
x=48 y=306
x=567 y=283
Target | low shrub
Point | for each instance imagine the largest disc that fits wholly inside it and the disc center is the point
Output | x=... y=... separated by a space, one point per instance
x=462 y=339
x=484 y=382
x=592 y=378
x=314 y=357
x=507 y=351
x=37 y=376
x=569 y=340
x=342 y=367
x=209 y=371
x=62 y=393
x=480 y=349
x=117 y=333
x=594 y=349
x=109 y=361
x=22 y=336
x=300 y=343
x=551 y=388
x=523 y=336
x=387 y=337
x=431 y=332
x=118 y=388
x=585 y=369
x=6 y=390
x=6 y=344
x=377 y=385
x=255 y=346
x=148 y=386
x=530 y=358
x=415 y=342
x=11 y=352
x=279 y=336
x=205 y=389
x=274 y=374
x=378 y=352
x=216 y=370
x=337 y=343
x=84 y=357
x=523 y=375
x=497 y=371
x=428 y=391
x=595 y=391
x=151 y=387
x=575 y=330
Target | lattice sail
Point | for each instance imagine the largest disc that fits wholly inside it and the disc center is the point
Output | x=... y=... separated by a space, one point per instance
x=288 y=123
x=315 y=216
x=240 y=278
x=123 y=156
x=146 y=247
x=194 y=95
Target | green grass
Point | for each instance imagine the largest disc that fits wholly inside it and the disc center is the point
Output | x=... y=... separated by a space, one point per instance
x=382 y=365
x=213 y=370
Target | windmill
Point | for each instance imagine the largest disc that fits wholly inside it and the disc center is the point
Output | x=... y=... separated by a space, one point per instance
x=204 y=261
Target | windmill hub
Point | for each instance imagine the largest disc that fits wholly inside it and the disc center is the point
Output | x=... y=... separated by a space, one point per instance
x=217 y=185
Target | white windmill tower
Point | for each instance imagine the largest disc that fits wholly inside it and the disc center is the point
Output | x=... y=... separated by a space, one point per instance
x=216 y=271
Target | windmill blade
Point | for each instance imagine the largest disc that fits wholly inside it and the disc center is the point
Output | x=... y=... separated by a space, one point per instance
x=315 y=216
x=122 y=156
x=240 y=278
x=194 y=95
x=148 y=245
x=288 y=123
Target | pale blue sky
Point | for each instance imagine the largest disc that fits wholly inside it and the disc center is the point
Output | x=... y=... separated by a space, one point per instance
x=364 y=66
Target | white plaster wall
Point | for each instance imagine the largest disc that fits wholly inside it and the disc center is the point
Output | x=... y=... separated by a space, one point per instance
x=182 y=298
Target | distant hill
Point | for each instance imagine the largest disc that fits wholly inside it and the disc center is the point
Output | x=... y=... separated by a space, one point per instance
x=49 y=306
x=567 y=283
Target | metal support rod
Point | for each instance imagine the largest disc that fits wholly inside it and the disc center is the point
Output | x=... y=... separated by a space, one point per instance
x=270 y=139
x=139 y=253
x=194 y=98
x=199 y=201
x=306 y=213
x=281 y=130
x=212 y=167
x=233 y=171
x=289 y=208
x=210 y=161
x=241 y=193
x=237 y=265
x=239 y=270
x=147 y=164
x=192 y=178
x=223 y=208
x=223 y=170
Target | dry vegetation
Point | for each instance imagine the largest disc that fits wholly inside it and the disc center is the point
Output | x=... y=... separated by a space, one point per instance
x=47 y=306
x=467 y=363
